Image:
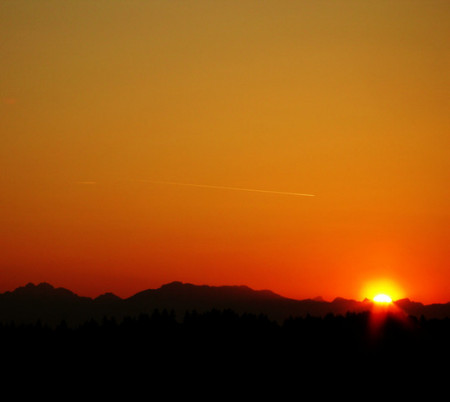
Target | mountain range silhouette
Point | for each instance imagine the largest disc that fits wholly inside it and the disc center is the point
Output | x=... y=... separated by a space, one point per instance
x=47 y=304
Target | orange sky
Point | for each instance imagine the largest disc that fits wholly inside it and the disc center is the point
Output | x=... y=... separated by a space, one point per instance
x=347 y=100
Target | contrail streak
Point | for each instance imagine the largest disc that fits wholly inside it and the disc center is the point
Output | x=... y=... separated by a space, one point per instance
x=251 y=190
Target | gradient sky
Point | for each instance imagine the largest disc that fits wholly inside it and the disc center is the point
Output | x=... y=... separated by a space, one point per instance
x=104 y=103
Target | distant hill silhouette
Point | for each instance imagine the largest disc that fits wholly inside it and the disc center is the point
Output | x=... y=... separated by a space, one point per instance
x=228 y=334
x=51 y=305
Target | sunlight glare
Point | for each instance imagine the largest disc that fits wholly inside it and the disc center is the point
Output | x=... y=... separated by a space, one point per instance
x=386 y=287
x=382 y=298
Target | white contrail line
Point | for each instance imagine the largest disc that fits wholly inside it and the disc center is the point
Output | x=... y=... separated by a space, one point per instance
x=251 y=190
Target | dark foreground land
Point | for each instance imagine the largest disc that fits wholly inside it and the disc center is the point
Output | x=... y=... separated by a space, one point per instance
x=194 y=340
x=226 y=346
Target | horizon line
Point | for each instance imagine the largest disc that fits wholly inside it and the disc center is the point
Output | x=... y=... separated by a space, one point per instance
x=221 y=286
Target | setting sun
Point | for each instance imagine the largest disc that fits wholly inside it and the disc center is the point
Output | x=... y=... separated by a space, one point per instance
x=382 y=291
x=382 y=298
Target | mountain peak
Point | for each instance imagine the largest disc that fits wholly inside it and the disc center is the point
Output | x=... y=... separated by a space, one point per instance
x=235 y=290
x=107 y=297
x=173 y=285
x=42 y=289
x=340 y=300
x=42 y=286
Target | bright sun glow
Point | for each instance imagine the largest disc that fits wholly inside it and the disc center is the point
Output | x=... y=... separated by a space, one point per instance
x=382 y=291
x=382 y=298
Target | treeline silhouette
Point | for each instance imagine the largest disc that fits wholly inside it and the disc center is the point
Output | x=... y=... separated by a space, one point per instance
x=223 y=337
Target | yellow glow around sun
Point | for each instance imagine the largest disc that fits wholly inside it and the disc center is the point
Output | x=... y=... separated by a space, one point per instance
x=382 y=291
x=382 y=298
